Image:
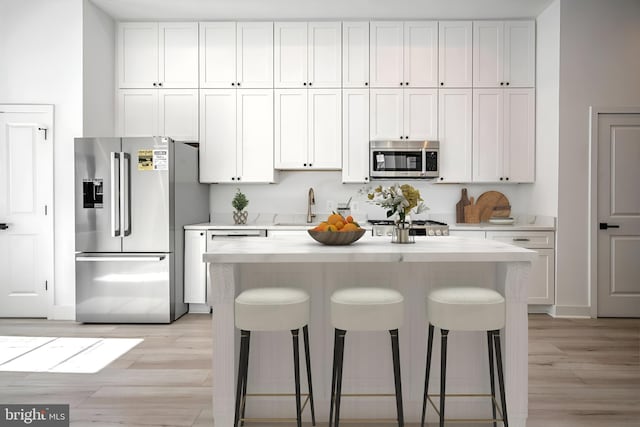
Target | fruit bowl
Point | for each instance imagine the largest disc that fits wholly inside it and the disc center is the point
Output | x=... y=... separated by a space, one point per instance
x=337 y=238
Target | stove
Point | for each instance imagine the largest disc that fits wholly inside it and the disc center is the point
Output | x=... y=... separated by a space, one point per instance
x=419 y=227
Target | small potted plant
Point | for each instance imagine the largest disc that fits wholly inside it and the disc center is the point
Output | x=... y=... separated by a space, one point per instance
x=240 y=202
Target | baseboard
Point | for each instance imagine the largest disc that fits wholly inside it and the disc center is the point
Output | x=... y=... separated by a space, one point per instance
x=199 y=308
x=539 y=309
x=574 y=311
x=62 y=312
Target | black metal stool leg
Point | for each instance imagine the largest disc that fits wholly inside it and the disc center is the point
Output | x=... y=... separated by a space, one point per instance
x=426 y=374
x=340 y=360
x=246 y=376
x=242 y=368
x=333 y=375
x=443 y=372
x=503 y=397
x=492 y=376
x=395 y=349
x=296 y=367
x=305 y=334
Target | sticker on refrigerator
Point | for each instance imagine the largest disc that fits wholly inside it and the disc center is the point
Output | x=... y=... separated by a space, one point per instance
x=145 y=160
x=161 y=160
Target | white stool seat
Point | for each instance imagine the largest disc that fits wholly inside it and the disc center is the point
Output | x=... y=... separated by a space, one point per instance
x=272 y=309
x=466 y=309
x=367 y=309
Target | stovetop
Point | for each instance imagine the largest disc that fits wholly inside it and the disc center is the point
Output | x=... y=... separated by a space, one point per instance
x=419 y=227
x=414 y=223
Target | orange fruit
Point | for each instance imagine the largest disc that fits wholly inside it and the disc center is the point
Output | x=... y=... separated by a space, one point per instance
x=322 y=226
x=331 y=228
x=334 y=218
x=339 y=225
x=349 y=219
x=349 y=227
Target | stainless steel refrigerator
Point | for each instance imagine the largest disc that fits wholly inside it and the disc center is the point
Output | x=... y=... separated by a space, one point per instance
x=132 y=198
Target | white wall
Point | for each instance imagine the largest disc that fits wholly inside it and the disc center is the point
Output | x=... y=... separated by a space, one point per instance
x=599 y=66
x=41 y=51
x=98 y=71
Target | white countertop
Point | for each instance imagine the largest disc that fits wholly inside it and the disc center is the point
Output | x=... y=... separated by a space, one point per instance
x=302 y=248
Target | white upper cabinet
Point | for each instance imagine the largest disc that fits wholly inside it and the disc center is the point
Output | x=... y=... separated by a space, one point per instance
x=325 y=129
x=519 y=135
x=218 y=135
x=291 y=128
x=137 y=112
x=308 y=54
x=420 y=114
x=503 y=54
x=455 y=54
x=488 y=135
x=157 y=55
x=255 y=135
x=454 y=134
x=236 y=55
x=355 y=135
x=355 y=54
x=386 y=114
x=404 y=54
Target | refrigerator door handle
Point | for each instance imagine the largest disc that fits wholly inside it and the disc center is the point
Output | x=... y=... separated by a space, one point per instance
x=146 y=258
x=125 y=193
x=115 y=195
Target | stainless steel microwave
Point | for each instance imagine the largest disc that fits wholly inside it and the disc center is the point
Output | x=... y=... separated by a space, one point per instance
x=404 y=159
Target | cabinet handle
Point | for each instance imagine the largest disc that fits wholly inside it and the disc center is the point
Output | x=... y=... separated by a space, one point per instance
x=500 y=178
x=401 y=137
x=501 y=83
x=441 y=83
x=406 y=83
x=366 y=178
x=441 y=178
x=305 y=165
x=155 y=84
x=521 y=239
x=366 y=83
x=238 y=83
x=305 y=83
x=159 y=84
x=238 y=178
x=202 y=234
x=406 y=137
x=507 y=178
x=233 y=178
x=310 y=83
x=310 y=164
x=233 y=84
x=401 y=83
x=507 y=83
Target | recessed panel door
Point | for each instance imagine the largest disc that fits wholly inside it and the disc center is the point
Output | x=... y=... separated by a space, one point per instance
x=421 y=54
x=291 y=129
x=488 y=135
x=137 y=112
x=218 y=135
x=386 y=50
x=455 y=53
x=455 y=134
x=137 y=55
x=421 y=114
x=290 y=56
x=255 y=135
x=218 y=55
x=386 y=114
x=325 y=128
x=488 y=54
x=255 y=55
x=178 y=55
x=355 y=54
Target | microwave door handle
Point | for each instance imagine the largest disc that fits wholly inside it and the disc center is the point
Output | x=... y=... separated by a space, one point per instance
x=125 y=193
x=115 y=194
x=424 y=163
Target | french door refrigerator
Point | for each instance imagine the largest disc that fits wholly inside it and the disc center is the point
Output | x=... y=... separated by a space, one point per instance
x=133 y=197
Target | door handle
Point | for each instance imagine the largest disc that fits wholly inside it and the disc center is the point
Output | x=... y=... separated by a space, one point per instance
x=604 y=226
x=115 y=199
x=121 y=258
x=125 y=196
x=4 y=226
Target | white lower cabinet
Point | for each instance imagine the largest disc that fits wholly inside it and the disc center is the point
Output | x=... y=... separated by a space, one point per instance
x=195 y=271
x=158 y=112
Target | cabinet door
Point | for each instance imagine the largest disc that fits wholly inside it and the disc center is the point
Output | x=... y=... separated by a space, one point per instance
x=519 y=131
x=386 y=54
x=195 y=271
x=137 y=52
x=488 y=136
x=519 y=53
x=355 y=135
x=178 y=114
x=421 y=54
x=138 y=112
x=542 y=285
x=325 y=128
x=217 y=55
x=291 y=129
x=290 y=55
x=386 y=114
x=454 y=133
x=255 y=135
x=178 y=54
x=455 y=53
x=355 y=54
x=218 y=135
x=488 y=54
x=325 y=54
x=255 y=55
x=421 y=114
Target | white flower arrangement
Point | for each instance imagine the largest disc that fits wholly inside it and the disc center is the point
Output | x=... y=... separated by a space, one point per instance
x=397 y=199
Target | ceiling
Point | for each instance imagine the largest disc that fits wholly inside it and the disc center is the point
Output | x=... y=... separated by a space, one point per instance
x=154 y=10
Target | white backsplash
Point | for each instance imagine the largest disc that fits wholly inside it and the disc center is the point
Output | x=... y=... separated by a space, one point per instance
x=288 y=198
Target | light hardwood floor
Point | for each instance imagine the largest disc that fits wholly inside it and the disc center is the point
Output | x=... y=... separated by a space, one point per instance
x=582 y=373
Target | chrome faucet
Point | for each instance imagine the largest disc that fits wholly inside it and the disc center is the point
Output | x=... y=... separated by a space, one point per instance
x=311 y=200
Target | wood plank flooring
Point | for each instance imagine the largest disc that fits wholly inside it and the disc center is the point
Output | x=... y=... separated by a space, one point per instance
x=582 y=373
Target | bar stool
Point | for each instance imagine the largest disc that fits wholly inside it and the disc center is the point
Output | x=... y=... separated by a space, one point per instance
x=272 y=309
x=365 y=309
x=466 y=309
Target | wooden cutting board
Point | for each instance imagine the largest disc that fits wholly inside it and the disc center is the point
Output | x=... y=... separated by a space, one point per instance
x=493 y=204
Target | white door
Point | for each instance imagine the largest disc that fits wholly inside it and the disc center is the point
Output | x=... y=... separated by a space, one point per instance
x=178 y=114
x=386 y=114
x=519 y=53
x=255 y=55
x=455 y=53
x=454 y=133
x=26 y=210
x=355 y=135
x=178 y=55
x=325 y=128
x=386 y=54
x=519 y=135
x=218 y=135
x=255 y=135
x=488 y=135
x=291 y=129
x=421 y=114
x=137 y=55
x=137 y=112
x=218 y=55
x=618 y=205
x=355 y=54
x=290 y=56
x=488 y=54
x=421 y=54
x=325 y=54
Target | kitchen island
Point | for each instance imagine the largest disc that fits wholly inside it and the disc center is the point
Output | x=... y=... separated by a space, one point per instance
x=413 y=269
